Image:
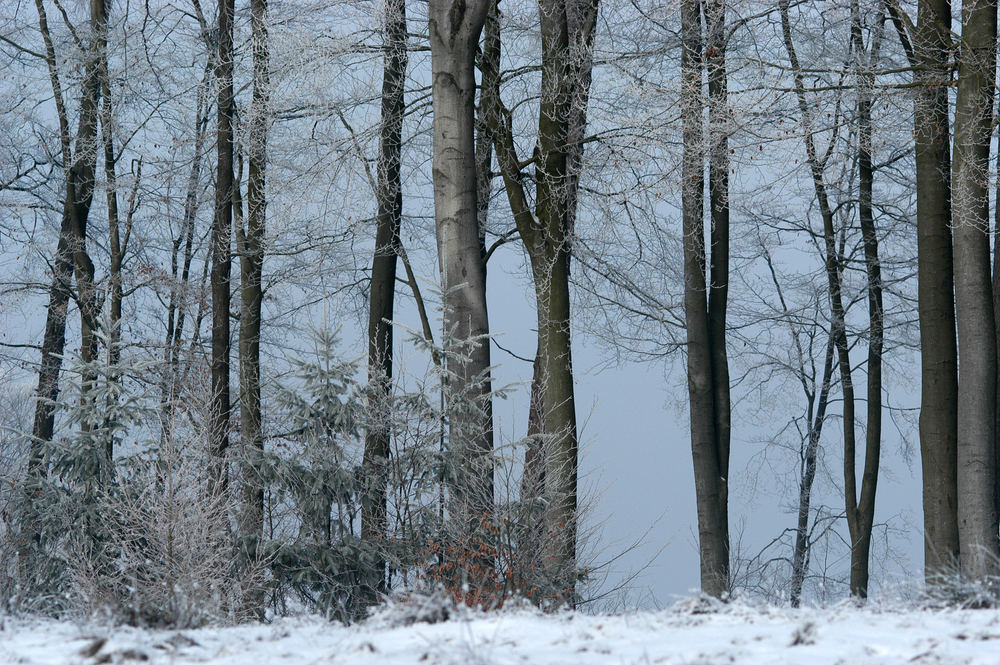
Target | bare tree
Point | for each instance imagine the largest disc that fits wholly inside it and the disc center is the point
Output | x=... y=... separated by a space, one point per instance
x=859 y=510
x=861 y=513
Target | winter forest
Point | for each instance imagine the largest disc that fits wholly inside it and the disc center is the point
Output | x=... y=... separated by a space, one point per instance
x=250 y=367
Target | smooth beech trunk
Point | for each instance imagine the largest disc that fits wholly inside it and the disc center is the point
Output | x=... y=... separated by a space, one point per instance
x=389 y=198
x=977 y=515
x=455 y=26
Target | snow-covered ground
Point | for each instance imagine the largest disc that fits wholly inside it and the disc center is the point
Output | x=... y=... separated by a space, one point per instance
x=737 y=634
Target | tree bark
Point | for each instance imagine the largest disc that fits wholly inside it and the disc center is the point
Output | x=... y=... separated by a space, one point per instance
x=705 y=420
x=87 y=145
x=221 y=261
x=389 y=199
x=863 y=518
x=976 y=475
x=251 y=273
x=935 y=290
x=71 y=256
x=455 y=26
x=718 y=288
x=567 y=30
x=860 y=530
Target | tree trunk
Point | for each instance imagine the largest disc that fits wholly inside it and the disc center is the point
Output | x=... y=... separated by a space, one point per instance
x=117 y=243
x=454 y=35
x=935 y=290
x=860 y=531
x=800 y=554
x=221 y=263
x=864 y=517
x=718 y=289
x=251 y=272
x=996 y=324
x=382 y=294
x=87 y=147
x=567 y=30
x=708 y=458
x=71 y=253
x=977 y=516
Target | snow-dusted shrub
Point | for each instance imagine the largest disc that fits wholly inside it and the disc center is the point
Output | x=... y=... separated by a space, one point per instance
x=951 y=588
x=421 y=606
x=173 y=563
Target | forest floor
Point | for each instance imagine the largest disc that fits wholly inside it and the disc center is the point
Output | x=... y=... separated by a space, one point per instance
x=686 y=634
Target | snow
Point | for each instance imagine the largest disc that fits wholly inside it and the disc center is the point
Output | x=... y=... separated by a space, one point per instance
x=737 y=634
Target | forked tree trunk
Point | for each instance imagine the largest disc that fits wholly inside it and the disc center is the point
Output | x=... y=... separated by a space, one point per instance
x=860 y=520
x=709 y=417
x=221 y=262
x=977 y=516
x=389 y=198
x=567 y=30
x=71 y=255
x=857 y=513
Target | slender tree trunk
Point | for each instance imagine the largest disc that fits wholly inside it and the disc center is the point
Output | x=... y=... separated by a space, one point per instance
x=251 y=271
x=383 y=282
x=718 y=288
x=221 y=262
x=455 y=27
x=860 y=531
x=816 y=408
x=87 y=145
x=865 y=515
x=117 y=243
x=181 y=257
x=709 y=473
x=800 y=554
x=977 y=516
x=54 y=338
